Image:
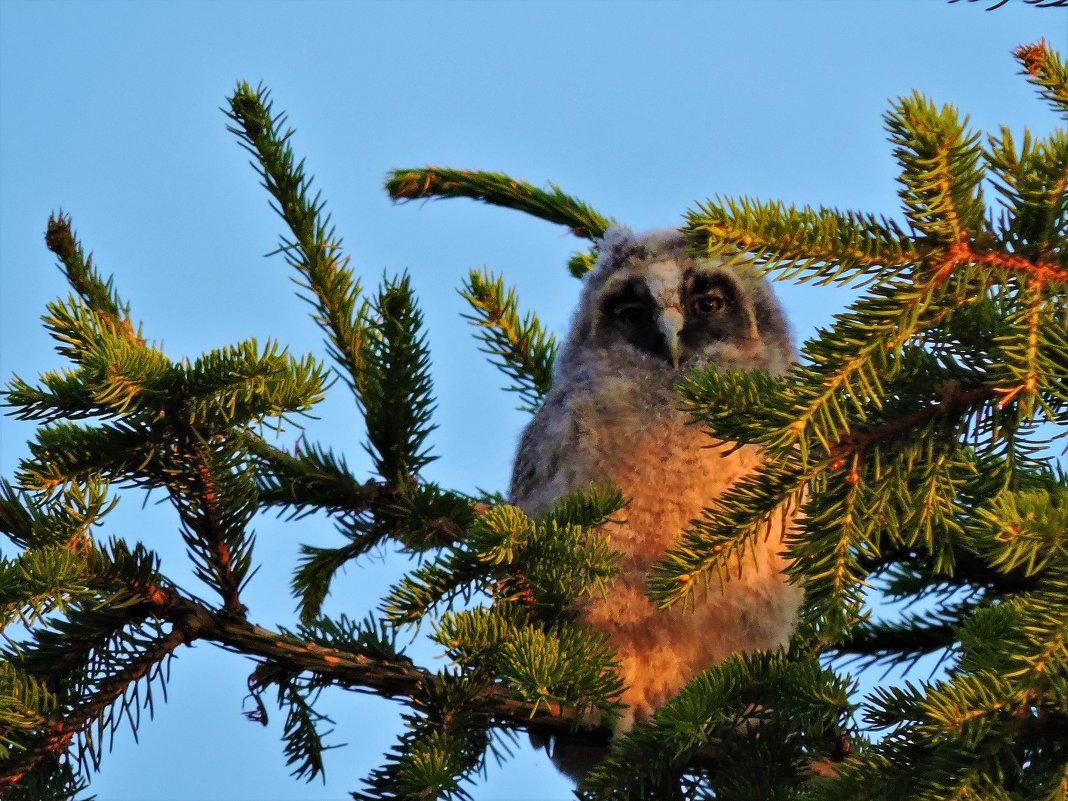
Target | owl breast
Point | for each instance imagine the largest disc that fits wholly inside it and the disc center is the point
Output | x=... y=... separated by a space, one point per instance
x=625 y=426
x=671 y=470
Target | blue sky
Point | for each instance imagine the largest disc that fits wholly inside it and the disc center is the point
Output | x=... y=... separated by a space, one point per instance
x=110 y=111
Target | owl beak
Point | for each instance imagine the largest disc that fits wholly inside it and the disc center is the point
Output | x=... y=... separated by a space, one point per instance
x=670 y=324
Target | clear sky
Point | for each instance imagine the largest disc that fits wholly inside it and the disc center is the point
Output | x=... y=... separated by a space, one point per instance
x=110 y=112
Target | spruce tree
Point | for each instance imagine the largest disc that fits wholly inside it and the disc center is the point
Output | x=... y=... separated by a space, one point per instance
x=913 y=435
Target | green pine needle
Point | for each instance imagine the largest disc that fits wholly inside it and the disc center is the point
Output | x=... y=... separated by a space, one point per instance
x=499 y=189
x=520 y=347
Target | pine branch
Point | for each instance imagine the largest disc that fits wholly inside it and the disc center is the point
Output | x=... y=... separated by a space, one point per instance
x=956 y=402
x=538 y=565
x=852 y=364
x=1033 y=183
x=389 y=677
x=941 y=170
x=28 y=522
x=25 y=703
x=62 y=396
x=837 y=531
x=1019 y=535
x=242 y=383
x=1047 y=71
x=728 y=732
x=40 y=581
x=215 y=516
x=582 y=262
x=905 y=640
x=98 y=294
x=499 y=189
x=65 y=453
x=315 y=250
x=303 y=739
x=823 y=244
x=393 y=386
x=311 y=479
x=420 y=516
x=57 y=733
x=318 y=566
x=1007 y=261
x=521 y=348
x=445 y=742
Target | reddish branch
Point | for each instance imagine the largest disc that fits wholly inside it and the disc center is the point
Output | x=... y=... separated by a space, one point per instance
x=391 y=677
x=396 y=677
x=961 y=253
x=206 y=489
x=59 y=731
x=1041 y=269
x=955 y=401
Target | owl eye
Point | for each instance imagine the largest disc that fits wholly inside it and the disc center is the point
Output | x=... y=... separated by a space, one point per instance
x=709 y=304
x=631 y=314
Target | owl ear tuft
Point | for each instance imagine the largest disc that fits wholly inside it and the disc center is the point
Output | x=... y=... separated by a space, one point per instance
x=616 y=238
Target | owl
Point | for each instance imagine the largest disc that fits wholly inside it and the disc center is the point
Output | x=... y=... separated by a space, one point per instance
x=650 y=313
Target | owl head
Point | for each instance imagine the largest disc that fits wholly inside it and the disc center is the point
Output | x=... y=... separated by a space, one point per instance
x=648 y=303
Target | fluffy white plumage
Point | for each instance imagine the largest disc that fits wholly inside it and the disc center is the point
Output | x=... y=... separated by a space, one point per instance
x=648 y=314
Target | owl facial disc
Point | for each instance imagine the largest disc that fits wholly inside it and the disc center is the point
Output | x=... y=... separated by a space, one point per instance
x=651 y=305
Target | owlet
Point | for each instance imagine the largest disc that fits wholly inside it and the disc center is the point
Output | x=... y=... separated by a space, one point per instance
x=649 y=313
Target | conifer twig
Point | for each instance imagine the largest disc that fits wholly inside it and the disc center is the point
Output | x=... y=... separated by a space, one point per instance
x=230 y=580
x=59 y=731
x=1040 y=269
x=97 y=293
x=315 y=250
x=307 y=479
x=498 y=189
x=524 y=350
x=391 y=678
x=1046 y=70
x=955 y=401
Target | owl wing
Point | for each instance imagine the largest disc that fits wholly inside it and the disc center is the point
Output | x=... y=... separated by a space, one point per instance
x=548 y=463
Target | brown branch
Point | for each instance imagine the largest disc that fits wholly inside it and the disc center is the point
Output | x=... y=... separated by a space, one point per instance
x=395 y=678
x=961 y=253
x=206 y=490
x=60 y=730
x=400 y=678
x=954 y=402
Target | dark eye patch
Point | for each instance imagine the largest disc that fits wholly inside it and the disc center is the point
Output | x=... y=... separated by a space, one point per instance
x=631 y=314
x=717 y=288
x=713 y=312
x=630 y=311
x=631 y=304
